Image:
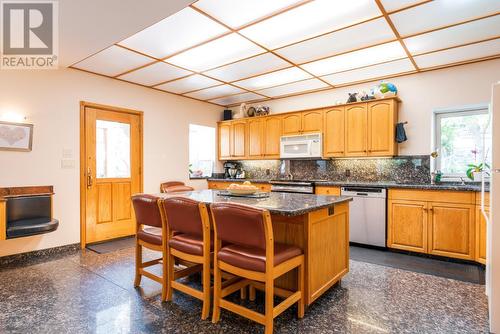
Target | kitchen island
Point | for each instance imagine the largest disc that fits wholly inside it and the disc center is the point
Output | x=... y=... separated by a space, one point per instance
x=318 y=224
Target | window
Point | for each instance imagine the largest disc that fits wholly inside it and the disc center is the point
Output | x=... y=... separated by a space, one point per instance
x=201 y=150
x=462 y=137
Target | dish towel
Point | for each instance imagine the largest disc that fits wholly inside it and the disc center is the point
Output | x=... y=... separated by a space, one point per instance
x=400 y=133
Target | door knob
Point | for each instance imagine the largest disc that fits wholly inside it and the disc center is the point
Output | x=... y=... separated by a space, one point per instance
x=90 y=180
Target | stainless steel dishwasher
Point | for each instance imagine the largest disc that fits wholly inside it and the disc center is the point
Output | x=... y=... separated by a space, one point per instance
x=367 y=215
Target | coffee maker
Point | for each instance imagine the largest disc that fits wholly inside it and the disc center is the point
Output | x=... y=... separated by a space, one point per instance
x=230 y=169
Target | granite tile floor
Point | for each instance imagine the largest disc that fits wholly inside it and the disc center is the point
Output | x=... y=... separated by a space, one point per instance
x=94 y=293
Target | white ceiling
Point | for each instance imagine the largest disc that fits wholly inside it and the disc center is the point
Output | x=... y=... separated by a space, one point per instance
x=232 y=51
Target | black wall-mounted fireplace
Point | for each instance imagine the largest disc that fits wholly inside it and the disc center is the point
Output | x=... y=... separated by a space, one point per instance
x=28 y=211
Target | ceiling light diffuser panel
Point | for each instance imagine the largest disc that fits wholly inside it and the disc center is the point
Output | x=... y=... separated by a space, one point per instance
x=454 y=36
x=309 y=20
x=154 y=74
x=236 y=99
x=361 y=35
x=464 y=53
x=377 y=54
x=188 y=84
x=113 y=61
x=391 y=5
x=436 y=14
x=215 y=92
x=174 y=34
x=266 y=62
x=219 y=52
x=239 y=13
x=295 y=87
x=273 y=79
x=370 y=72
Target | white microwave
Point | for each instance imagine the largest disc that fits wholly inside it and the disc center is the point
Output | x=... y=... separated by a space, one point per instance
x=301 y=146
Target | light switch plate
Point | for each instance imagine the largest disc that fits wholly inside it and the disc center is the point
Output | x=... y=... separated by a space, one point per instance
x=67 y=153
x=67 y=163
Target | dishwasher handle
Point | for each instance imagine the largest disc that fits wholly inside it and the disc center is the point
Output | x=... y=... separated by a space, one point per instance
x=363 y=192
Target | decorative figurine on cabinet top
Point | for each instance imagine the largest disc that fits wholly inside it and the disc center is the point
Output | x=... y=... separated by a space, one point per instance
x=352 y=97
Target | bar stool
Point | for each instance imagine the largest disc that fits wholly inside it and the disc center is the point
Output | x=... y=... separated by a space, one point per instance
x=191 y=243
x=151 y=232
x=252 y=254
x=174 y=186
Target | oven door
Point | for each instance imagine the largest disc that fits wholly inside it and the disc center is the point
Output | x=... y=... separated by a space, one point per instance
x=295 y=149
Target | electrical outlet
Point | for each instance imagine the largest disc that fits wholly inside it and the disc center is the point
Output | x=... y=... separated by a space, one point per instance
x=347 y=172
x=268 y=171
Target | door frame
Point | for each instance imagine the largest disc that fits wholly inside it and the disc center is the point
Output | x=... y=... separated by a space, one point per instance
x=83 y=158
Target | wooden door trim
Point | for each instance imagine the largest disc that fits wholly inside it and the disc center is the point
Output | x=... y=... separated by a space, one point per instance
x=83 y=159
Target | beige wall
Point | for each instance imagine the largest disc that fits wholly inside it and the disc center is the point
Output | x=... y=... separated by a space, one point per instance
x=50 y=100
x=420 y=94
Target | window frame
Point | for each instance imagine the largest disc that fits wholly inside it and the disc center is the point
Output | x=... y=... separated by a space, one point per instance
x=214 y=161
x=437 y=116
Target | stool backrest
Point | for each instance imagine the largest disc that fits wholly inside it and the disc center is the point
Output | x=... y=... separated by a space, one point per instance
x=147 y=211
x=184 y=215
x=241 y=225
x=176 y=189
x=165 y=185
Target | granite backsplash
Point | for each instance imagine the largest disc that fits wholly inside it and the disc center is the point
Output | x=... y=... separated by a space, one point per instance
x=403 y=169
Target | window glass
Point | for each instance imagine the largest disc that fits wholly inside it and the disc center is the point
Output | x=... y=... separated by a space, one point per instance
x=201 y=150
x=112 y=149
x=462 y=138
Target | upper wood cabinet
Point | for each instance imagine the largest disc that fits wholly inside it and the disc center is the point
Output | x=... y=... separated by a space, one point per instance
x=224 y=141
x=255 y=139
x=303 y=122
x=356 y=130
x=272 y=134
x=333 y=133
x=382 y=119
x=239 y=136
x=232 y=141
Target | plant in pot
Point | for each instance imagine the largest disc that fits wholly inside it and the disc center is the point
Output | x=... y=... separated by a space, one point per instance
x=474 y=172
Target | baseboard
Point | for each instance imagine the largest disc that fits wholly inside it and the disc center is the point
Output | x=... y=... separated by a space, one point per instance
x=42 y=255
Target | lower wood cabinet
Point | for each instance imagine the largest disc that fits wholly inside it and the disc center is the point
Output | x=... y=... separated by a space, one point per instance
x=327 y=190
x=433 y=222
x=481 y=235
x=222 y=185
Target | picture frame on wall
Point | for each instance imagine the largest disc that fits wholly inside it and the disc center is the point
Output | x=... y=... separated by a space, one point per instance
x=16 y=136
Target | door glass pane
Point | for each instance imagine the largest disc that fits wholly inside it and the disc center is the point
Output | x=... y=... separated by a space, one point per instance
x=112 y=149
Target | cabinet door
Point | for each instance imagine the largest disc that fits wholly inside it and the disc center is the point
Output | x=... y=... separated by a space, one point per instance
x=355 y=130
x=224 y=141
x=292 y=124
x=481 y=235
x=407 y=225
x=451 y=230
x=255 y=138
x=239 y=134
x=312 y=121
x=381 y=128
x=333 y=133
x=272 y=135
x=328 y=190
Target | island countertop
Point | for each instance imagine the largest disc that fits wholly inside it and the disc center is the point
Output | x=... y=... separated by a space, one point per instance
x=285 y=204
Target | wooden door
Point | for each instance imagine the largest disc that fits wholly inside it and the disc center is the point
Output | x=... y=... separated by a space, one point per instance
x=272 y=135
x=255 y=138
x=312 y=121
x=451 y=230
x=407 y=225
x=355 y=130
x=333 y=133
x=381 y=128
x=238 y=143
x=224 y=141
x=111 y=171
x=292 y=124
x=481 y=235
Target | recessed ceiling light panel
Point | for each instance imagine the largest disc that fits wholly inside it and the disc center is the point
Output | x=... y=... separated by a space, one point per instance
x=154 y=74
x=234 y=99
x=215 y=92
x=273 y=79
x=188 y=84
x=295 y=87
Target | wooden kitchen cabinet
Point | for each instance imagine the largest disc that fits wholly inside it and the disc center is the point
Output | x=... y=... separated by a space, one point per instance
x=382 y=119
x=272 y=126
x=327 y=190
x=356 y=130
x=480 y=242
x=312 y=121
x=292 y=124
x=224 y=141
x=239 y=136
x=407 y=225
x=451 y=230
x=222 y=185
x=333 y=133
x=232 y=140
x=255 y=138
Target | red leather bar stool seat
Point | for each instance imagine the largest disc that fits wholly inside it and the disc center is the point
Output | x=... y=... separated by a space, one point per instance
x=189 y=243
x=152 y=235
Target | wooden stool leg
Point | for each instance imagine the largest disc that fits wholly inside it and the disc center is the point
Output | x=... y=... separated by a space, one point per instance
x=170 y=275
x=217 y=292
x=206 y=289
x=243 y=293
x=251 y=293
x=301 y=289
x=138 y=264
x=269 y=305
x=165 y=275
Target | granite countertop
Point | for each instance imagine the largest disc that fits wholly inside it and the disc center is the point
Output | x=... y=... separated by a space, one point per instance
x=284 y=204
x=387 y=184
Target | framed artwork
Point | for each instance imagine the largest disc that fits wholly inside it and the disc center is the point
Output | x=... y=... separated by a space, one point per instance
x=16 y=136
